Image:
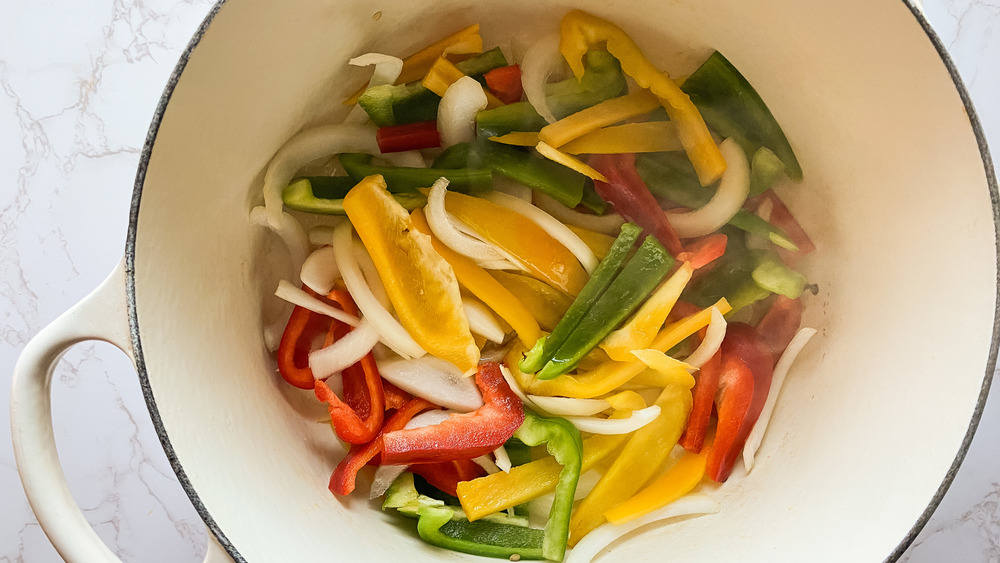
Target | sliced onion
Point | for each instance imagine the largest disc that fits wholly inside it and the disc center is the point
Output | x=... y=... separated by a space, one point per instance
x=320 y=271
x=345 y=352
x=588 y=480
x=456 y=118
x=405 y=159
x=595 y=425
x=714 y=336
x=728 y=199
x=507 y=263
x=595 y=542
x=306 y=147
x=441 y=225
x=370 y=273
x=486 y=463
x=788 y=357
x=610 y=224
x=391 y=332
x=512 y=382
x=386 y=474
x=387 y=69
x=296 y=296
x=550 y=225
x=289 y=230
x=434 y=379
x=566 y=406
x=502 y=459
x=540 y=61
x=321 y=235
x=512 y=187
x=482 y=321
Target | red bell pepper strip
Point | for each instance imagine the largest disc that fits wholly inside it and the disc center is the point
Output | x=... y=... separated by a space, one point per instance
x=342 y=481
x=744 y=382
x=703 y=251
x=446 y=475
x=462 y=436
x=303 y=329
x=358 y=417
x=782 y=218
x=408 y=137
x=395 y=397
x=630 y=197
x=505 y=83
x=780 y=324
x=704 y=391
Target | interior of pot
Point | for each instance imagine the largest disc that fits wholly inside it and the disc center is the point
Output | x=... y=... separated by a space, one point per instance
x=895 y=197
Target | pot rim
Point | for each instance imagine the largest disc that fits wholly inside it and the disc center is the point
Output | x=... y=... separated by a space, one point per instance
x=192 y=494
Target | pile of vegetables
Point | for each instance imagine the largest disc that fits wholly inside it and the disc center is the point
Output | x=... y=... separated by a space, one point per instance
x=547 y=311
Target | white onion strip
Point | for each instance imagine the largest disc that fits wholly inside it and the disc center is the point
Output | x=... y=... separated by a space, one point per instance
x=512 y=382
x=512 y=187
x=595 y=542
x=321 y=234
x=714 y=336
x=449 y=235
x=566 y=406
x=550 y=225
x=320 y=271
x=434 y=379
x=289 y=230
x=486 y=463
x=502 y=459
x=456 y=117
x=386 y=474
x=370 y=273
x=594 y=425
x=482 y=321
x=509 y=262
x=391 y=332
x=798 y=342
x=387 y=69
x=728 y=199
x=296 y=296
x=344 y=352
x=540 y=61
x=405 y=159
x=610 y=224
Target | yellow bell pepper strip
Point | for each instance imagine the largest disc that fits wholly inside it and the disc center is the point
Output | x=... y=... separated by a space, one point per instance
x=626 y=401
x=647 y=136
x=543 y=256
x=682 y=476
x=598 y=243
x=673 y=370
x=479 y=282
x=546 y=304
x=595 y=117
x=610 y=375
x=580 y=30
x=464 y=42
x=638 y=461
x=421 y=285
x=571 y=162
x=443 y=73
x=500 y=491
x=640 y=330
x=517 y=138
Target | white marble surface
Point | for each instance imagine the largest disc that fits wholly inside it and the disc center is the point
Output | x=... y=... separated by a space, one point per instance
x=78 y=85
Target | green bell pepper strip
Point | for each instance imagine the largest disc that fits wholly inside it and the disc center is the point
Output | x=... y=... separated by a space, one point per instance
x=765 y=168
x=600 y=279
x=774 y=276
x=310 y=195
x=390 y=104
x=562 y=440
x=401 y=179
x=405 y=497
x=602 y=80
x=640 y=275
x=731 y=106
x=437 y=527
x=757 y=226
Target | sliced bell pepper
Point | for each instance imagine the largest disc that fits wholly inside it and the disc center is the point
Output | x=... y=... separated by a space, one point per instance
x=674 y=371
x=544 y=257
x=647 y=136
x=443 y=73
x=780 y=324
x=463 y=436
x=638 y=461
x=705 y=388
x=744 y=381
x=420 y=283
x=705 y=250
x=395 y=397
x=500 y=491
x=682 y=476
x=480 y=283
x=343 y=478
x=579 y=31
x=562 y=441
x=782 y=218
x=438 y=527
x=641 y=329
x=630 y=197
x=405 y=180
x=638 y=277
x=569 y=161
x=303 y=328
x=446 y=475
x=409 y=137
x=304 y=195
x=546 y=304
x=505 y=83
x=464 y=42
x=598 y=243
x=600 y=279
x=595 y=117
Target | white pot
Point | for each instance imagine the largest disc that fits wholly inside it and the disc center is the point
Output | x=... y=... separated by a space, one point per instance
x=870 y=428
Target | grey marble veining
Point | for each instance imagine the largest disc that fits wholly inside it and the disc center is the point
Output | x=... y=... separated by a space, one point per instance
x=78 y=84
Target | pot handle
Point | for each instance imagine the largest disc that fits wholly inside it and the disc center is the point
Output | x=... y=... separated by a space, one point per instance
x=102 y=315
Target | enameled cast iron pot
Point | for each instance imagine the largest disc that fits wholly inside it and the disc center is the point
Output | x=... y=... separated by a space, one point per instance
x=899 y=197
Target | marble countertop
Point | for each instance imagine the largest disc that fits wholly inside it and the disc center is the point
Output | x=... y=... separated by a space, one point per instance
x=75 y=103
